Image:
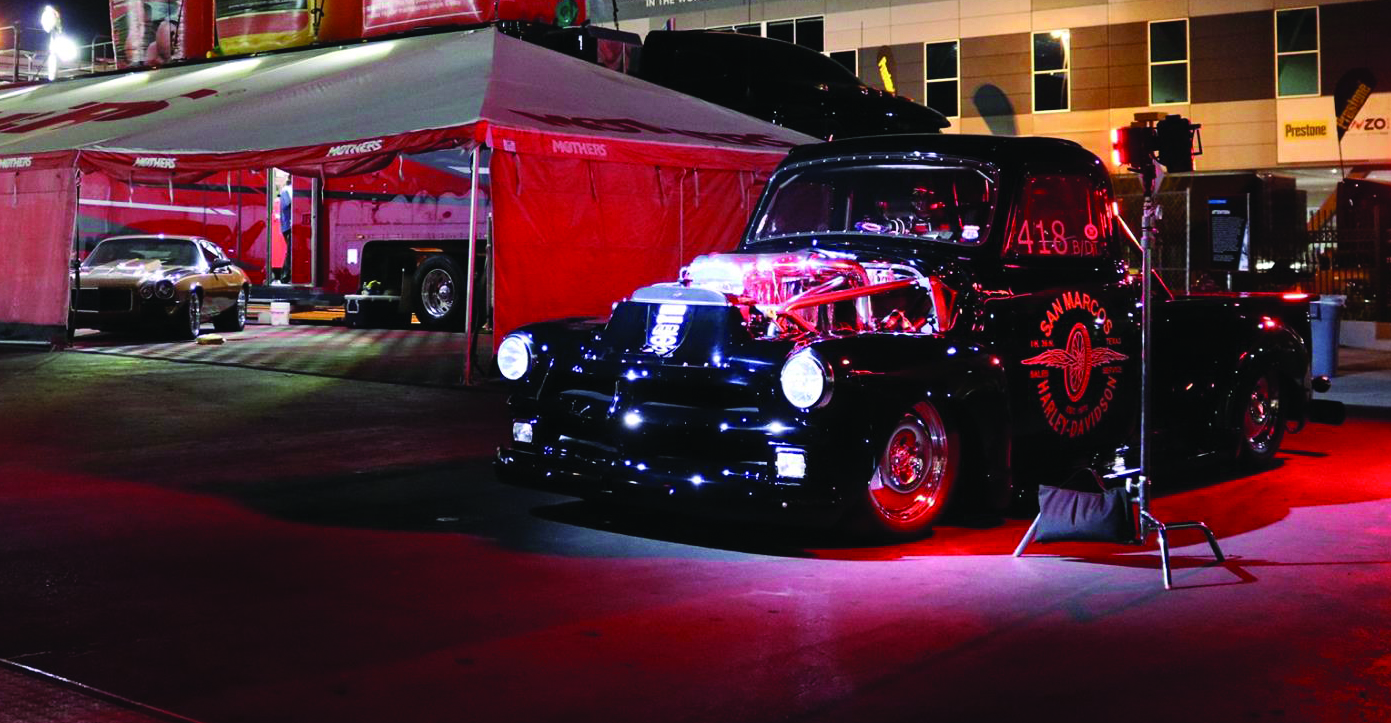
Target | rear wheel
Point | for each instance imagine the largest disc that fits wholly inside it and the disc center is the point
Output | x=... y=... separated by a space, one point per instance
x=233 y=319
x=914 y=476
x=1261 y=421
x=439 y=293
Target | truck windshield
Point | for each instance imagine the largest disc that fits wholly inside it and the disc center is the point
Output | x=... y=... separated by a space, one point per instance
x=938 y=203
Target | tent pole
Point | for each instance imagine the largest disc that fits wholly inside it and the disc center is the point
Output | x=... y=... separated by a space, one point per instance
x=472 y=252
x=74 y=263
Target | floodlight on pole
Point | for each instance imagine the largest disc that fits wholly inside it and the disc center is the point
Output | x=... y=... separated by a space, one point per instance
x=64 y=47
x=50 y=19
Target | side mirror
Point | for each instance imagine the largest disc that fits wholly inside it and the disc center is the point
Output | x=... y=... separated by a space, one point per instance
x=221 y=264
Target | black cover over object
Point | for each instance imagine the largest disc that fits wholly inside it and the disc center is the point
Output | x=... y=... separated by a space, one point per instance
x=1068 y=515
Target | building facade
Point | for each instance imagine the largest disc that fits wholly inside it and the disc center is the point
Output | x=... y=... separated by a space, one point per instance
x=1259 y=75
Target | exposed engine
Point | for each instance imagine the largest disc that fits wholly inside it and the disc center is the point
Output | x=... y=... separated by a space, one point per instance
x=820 y=293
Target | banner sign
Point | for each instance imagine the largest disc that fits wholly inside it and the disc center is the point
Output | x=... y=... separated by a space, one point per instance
x=1307 y=130
x=147 y=32
x=250 y=26
x=391 y=16
x=382 y=17
x=1353 y=90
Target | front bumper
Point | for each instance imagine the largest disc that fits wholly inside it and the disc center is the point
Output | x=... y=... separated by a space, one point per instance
x=684 y=486
x=106 y=307
x=719 y=464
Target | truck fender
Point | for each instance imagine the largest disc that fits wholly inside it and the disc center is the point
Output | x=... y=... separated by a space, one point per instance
x=970 y=388
x=1279 y=349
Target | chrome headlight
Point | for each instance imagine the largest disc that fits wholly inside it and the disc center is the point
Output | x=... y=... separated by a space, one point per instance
x=806 y=382
x=164 y=289
x=147 y=290
x=514 y=357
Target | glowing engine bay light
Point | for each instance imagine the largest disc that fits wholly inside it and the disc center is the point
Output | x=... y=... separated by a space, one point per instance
x=666 y=329
x=791 y=463
x=522 y=432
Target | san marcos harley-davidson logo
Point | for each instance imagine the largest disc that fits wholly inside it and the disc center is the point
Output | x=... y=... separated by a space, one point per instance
x=1087 y=369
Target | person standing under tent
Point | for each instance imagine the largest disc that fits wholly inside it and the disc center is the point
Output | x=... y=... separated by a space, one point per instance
x=285 y=212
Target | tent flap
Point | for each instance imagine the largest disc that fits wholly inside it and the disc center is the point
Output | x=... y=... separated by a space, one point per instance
x=37 y=210
x=576 y=235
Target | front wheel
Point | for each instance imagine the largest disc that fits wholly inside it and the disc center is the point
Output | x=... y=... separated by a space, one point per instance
x=233 y=319
x=1261 y=421
x=188 y=324
x=439 y=293
x=914 y=476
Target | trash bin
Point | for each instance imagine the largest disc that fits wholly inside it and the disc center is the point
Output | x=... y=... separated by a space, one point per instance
x=1323 y=322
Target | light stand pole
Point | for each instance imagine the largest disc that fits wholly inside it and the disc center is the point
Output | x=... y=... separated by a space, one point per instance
x=1139 y=486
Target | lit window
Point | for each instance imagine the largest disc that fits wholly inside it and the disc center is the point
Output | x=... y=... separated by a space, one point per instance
x=1297 y=52
x=1051 y=62
x=942 y=78
x=1168 y=62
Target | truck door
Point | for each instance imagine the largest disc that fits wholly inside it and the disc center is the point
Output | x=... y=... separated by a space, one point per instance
x=1071 y=335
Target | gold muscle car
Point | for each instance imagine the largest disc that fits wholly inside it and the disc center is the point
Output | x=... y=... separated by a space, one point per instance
x=172 y=282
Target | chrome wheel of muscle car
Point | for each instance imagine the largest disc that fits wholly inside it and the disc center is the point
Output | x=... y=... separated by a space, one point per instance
x=234 y=318
x=915 y=474
x=1262 y=423
x=193 y=317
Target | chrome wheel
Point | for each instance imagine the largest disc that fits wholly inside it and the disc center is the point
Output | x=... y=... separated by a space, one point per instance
x=234 y=317
x=915 y=474
x=437 y=293
x=1261 y=422
x=193 y=317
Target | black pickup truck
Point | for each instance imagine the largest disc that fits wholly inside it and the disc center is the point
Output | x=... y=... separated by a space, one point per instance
x=909 y=323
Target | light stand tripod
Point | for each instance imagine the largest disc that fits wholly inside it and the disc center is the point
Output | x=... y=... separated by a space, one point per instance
x=1137 y=481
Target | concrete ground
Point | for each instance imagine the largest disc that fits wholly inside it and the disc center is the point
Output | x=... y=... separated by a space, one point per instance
x=229 y=544
x=1363 y=378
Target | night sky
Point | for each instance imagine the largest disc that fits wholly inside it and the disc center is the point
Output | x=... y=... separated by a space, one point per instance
x=82 y=19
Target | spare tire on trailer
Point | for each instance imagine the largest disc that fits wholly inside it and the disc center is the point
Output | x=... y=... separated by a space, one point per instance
x=440 y=284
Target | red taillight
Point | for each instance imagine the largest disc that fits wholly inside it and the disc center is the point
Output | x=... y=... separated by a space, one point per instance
x=1269 y=323
x=1295 y=296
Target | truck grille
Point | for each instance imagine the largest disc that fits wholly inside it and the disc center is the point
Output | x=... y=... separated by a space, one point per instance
x=104 y=300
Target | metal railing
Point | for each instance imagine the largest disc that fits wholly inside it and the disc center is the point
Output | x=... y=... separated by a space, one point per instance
x=24 y=57
x=1351 y=264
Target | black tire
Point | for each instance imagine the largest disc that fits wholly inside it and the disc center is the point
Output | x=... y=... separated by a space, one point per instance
x=440 y=285
x=189 y=322
x=1260 y=420
x=914 y=477
x=234 y=318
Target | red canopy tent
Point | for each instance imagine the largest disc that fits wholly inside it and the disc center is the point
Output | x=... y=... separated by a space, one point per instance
x=601 y=182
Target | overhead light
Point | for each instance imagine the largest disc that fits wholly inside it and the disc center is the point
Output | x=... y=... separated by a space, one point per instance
x=49 y=19
x=64 y=47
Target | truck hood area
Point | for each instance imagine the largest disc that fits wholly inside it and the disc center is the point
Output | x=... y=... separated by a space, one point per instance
x=798 y=295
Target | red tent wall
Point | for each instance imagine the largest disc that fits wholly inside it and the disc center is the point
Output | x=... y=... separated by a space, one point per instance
x=574 y=235
x=37 y=209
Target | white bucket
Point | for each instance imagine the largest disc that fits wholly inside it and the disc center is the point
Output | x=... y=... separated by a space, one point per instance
x=279 y=313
